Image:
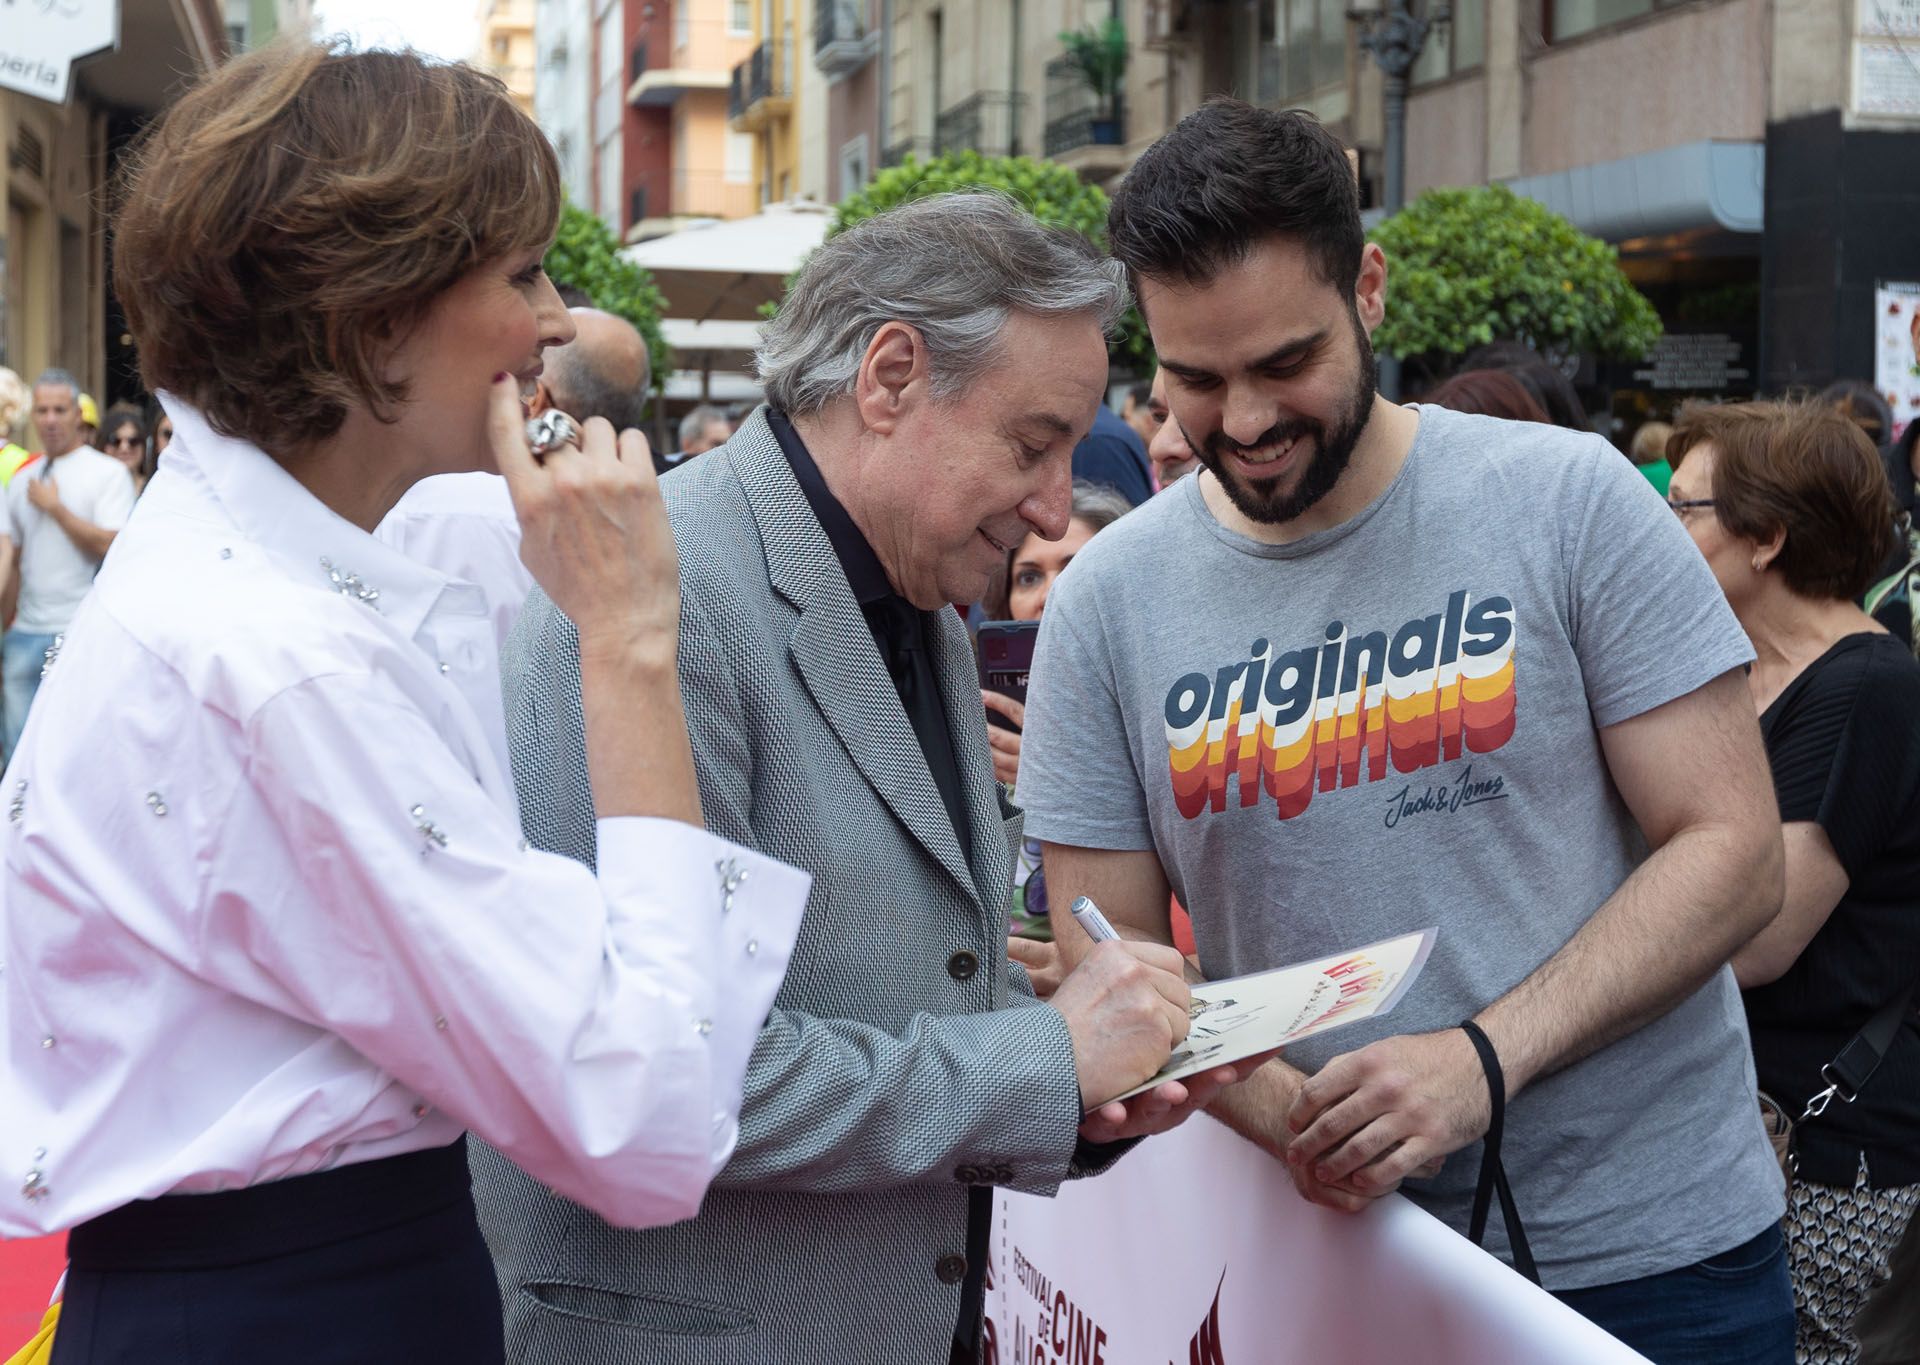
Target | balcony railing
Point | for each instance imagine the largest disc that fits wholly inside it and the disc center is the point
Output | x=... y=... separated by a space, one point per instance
x=987 y=122
x=906 y=147
x=649 y=195
x=1076 y=117
x=763 y=76
x=843 y=41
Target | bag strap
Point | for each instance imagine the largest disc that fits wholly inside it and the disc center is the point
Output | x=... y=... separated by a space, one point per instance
x=1493 y=1174
x=1853 y=1066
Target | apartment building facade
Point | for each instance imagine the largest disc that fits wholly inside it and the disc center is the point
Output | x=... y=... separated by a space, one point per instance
x=684 y=161
x=507 y=47
x=563 y=92
x=1757 y=161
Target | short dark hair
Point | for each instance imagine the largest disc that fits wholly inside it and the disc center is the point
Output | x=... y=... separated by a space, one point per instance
x=299 y=208
x=1861 y=404
x=1548 y=384
x=1228 y=177
x=118 y=416
x=1491 y=393
x=1803 y=467
x=1140 y=394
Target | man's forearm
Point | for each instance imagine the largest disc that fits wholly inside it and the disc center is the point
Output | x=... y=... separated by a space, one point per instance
x=1257 y=1108
x=88 y=538
x=1655 y=941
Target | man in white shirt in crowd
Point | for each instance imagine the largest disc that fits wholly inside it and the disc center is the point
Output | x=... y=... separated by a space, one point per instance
x=63 y=512
x=463 y=524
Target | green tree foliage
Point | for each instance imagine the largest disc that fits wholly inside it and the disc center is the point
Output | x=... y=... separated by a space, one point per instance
x=1051 y=192
x=586 y=255
x=1469 y=266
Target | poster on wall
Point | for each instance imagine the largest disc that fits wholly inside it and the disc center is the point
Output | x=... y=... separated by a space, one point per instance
x=1895 y=375
x=1886 y=59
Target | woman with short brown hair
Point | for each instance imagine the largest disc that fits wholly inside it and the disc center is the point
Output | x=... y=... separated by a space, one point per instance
x=272 y=939
x=1790 y=507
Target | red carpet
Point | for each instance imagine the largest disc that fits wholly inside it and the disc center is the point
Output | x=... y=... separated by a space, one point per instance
x=28 y=1272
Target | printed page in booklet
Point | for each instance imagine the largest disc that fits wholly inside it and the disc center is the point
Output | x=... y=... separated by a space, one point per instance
x=1244 y=1015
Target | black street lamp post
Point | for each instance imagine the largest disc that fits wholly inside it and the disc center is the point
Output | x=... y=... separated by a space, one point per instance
x=1396 y=36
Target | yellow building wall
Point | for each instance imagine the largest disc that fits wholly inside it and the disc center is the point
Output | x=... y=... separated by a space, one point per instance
x=776 y=153
x=507 y=46
x=707 y=181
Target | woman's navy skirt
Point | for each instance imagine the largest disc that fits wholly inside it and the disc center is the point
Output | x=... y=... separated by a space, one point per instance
x=378 y=1261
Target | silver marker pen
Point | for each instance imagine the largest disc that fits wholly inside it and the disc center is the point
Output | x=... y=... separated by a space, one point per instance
x=1087 y=915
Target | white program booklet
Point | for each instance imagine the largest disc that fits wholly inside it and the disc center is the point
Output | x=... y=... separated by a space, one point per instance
x=1245 y=1015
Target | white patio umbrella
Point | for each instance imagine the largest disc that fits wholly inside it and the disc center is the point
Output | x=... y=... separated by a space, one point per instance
x=725 y=269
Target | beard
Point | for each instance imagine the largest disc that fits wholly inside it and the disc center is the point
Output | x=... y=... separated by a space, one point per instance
x=1333 y=448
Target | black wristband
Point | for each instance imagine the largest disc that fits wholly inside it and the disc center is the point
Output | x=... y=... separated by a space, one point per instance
x=1493 y=1174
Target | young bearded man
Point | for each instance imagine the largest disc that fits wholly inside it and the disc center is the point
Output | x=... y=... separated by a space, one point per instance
x=1417 y=681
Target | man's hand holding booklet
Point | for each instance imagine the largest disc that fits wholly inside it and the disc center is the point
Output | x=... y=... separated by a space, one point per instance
x=1245 y=1016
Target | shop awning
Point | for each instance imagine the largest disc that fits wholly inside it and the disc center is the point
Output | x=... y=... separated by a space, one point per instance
x=1713 y=185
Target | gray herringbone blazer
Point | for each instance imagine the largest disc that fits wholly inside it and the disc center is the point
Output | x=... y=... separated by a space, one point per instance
x=892 y=1072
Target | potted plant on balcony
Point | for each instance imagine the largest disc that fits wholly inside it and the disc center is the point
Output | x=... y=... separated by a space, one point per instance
x=1100 y=53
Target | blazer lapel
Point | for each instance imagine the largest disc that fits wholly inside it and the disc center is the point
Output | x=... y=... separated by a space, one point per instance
x=834 y=652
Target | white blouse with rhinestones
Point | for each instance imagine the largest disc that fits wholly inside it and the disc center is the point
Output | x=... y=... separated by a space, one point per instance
x=265 y=908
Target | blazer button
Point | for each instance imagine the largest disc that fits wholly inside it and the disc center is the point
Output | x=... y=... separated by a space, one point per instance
x=962 y=965
x=951 y=1268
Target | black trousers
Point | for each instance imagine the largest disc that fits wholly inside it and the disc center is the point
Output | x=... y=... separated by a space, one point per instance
x=375 y=1262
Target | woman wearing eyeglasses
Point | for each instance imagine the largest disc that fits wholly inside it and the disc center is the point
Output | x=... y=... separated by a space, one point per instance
x=1790 y=507
x=124 y=436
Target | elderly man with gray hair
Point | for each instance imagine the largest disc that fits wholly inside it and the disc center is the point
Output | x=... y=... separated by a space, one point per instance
x=705 y=428
x=927 y=379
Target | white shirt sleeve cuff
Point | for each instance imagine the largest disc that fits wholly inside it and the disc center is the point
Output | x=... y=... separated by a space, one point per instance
x=757 y=902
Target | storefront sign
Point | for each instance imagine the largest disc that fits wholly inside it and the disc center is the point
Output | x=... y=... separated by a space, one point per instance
x=1696 y=362
x=40 y=40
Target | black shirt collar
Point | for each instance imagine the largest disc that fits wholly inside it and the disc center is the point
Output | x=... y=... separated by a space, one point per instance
x=857 y=559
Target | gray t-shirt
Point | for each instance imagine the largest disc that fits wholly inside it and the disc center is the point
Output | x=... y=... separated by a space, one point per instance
x=1393 y=724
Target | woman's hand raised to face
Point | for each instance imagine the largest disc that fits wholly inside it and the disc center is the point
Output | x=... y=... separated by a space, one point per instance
x=593 y=530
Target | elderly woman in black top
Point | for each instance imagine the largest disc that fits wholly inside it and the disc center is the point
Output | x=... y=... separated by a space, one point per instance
x=1791 y=509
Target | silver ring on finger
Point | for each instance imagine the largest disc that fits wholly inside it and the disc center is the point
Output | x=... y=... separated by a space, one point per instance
x=551 y=430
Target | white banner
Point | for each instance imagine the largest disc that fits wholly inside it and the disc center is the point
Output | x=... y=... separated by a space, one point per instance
x=40 y=40
x=1196 y=1250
